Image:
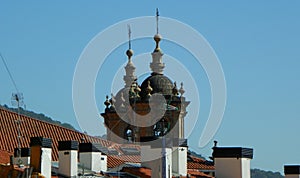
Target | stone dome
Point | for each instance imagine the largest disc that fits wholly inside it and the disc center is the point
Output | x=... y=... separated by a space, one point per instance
x=159 y=83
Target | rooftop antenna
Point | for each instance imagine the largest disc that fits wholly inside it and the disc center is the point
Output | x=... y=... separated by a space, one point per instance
x=16 y=100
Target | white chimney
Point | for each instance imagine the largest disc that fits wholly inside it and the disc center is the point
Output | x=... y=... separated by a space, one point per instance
x=179 y=157
x=151 y=157
x=292 y=171
x=91 y=158
x=103 y=165
x=22 y=158
x=40 y=158
x=232 y=162
x=67 y=156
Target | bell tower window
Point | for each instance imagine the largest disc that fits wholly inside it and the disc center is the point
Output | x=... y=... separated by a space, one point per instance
x=129 y=134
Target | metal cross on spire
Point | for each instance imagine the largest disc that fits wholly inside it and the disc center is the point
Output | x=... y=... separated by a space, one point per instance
x=157 y=15
x=129 y=36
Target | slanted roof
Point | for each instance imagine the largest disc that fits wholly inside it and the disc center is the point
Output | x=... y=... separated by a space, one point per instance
x=114 y=161
x=138 y=171
x=4 y=156
x=31 y=127
x=198 y=174
x=199 y=163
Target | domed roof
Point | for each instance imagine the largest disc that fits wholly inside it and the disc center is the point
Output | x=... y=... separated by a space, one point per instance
x=159 y=83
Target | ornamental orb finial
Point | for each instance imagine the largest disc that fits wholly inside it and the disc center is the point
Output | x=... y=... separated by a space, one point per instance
x=157 y=38
x=129 y=53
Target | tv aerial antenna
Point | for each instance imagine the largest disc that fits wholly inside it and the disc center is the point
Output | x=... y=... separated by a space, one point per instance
x=16 y=100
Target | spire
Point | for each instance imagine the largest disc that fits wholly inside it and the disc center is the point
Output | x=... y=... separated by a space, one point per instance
x=129 y=36
x=157 y=65
x=129 y=68
x=157 y=15
x=157 y=37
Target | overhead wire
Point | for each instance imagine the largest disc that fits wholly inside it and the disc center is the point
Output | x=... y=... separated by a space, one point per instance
x=9 y=73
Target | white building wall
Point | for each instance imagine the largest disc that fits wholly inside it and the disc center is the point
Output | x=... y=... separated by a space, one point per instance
x=179 y=161
x=147 y=156
x=292 y=176
x=46 y=162
x=246 y=167
x=232 y=167
x=67 y=164
x=103 y=165
x=91 y=160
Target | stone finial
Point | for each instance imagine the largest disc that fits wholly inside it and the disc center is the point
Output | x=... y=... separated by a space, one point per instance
x=137 y=90
x=112 y=101
x=149 y=89
x=134 y=90
x=122 y=106
x=175 y=89
x=181 y=90
x=131 y=91
x=106 y=102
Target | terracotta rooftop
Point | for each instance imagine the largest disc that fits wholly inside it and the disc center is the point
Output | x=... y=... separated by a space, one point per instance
x=199 y=163
x=138 y=171
x=31 y=127
x=198 y=174
x=146 y=172
x=114 y=161
x=4 y=156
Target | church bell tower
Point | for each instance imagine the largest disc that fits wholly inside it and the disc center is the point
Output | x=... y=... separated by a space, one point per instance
x=154 y=108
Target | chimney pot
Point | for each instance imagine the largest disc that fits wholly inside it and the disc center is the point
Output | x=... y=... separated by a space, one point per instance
x=292 y=171
x=232 y=162
x=68 y=154
x=40 y=158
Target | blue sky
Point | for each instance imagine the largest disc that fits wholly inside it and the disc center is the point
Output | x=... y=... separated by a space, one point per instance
x=257 y=44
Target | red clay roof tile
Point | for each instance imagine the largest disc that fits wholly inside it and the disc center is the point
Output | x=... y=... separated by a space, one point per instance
x=31 y=127
x=199 y=163
x=198 y=174
x=4 y=156
x=138 y=171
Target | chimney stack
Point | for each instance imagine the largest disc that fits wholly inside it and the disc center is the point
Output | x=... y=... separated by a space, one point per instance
x=40 y=158
x=156 y=157
x=24 y=158
x=232 y=162
x=67 y=155
x=91 y=158
x=179 y=157
x=292 y=171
